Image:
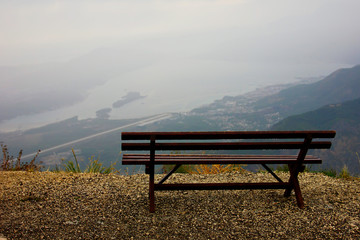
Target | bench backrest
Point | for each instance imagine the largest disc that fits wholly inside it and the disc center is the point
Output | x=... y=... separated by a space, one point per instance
x=247 y=140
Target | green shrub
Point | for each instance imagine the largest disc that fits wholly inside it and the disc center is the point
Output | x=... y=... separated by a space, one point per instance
x=181 y=169
x=344 y=173
x=282 y=168
x=70 y=166
x=94 y=166
x=329 y=172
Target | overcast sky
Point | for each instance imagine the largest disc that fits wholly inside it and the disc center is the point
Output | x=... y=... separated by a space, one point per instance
x=40 y=31
x=58 y=54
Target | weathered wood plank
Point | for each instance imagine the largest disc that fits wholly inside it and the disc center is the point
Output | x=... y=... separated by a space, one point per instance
x=226 y=135
x=192 y=146
x=220 y=159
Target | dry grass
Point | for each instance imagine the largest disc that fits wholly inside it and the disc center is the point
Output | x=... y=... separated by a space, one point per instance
x=215 y=169
x=8 y=162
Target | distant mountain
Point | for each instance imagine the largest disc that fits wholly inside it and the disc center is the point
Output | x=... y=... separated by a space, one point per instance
x=264 y=107
x=333 y=102
x=342 y=117
x=323 y=118
x=340 y=86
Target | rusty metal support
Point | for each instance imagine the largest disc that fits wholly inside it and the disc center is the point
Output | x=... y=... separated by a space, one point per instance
x=272 y=173
x=170 y=173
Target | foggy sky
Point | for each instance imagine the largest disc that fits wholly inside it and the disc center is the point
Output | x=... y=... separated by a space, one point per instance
x=53 y=52
x=248 y=30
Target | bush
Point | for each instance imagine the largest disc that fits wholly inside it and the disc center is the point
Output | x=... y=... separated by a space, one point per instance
x=344 y=173
x=94 y=166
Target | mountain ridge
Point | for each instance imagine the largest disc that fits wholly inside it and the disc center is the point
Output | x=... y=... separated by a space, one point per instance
x=340 y=86
x=342 y=117
x=238 y=113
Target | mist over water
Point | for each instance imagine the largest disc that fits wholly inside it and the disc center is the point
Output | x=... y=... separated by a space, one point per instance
x=61 y=59
x=177 y=86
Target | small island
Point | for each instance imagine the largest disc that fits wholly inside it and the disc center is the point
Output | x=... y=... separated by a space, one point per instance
x=103 y=113
x=129 y=97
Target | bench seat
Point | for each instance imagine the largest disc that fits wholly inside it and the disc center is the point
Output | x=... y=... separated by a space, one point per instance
x=165 y=159
x=162 y=148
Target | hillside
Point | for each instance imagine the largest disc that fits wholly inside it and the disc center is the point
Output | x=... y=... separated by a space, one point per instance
x=264 y=108
x=340 y=86
x=324 y=118
x=261 y=109
x=50 y=205
x=237 y=113
x=107 y=147
x=342 y=117
x=228 y=113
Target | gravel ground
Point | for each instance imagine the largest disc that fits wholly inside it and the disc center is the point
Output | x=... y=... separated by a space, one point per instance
x=46 y=205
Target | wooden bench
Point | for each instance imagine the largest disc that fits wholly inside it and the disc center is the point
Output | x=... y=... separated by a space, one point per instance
x=160 y=145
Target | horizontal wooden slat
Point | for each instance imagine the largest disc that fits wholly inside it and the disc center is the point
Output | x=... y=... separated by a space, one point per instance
x=163 y=159
x=223 y=146
x=221 y=186
x=199 y=156
x=226 y=135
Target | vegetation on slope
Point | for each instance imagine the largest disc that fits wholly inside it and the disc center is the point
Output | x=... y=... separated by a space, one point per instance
x=342 y=117
x=340 y=86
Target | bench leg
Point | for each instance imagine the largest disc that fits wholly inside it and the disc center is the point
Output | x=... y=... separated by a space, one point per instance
x=290 y=188
x=288 y=191
x=294 y=184
x=299 y=198
x=152 y=190
x=152 y=174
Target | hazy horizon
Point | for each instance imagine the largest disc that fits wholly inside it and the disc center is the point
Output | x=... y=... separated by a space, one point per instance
x=64 y=57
